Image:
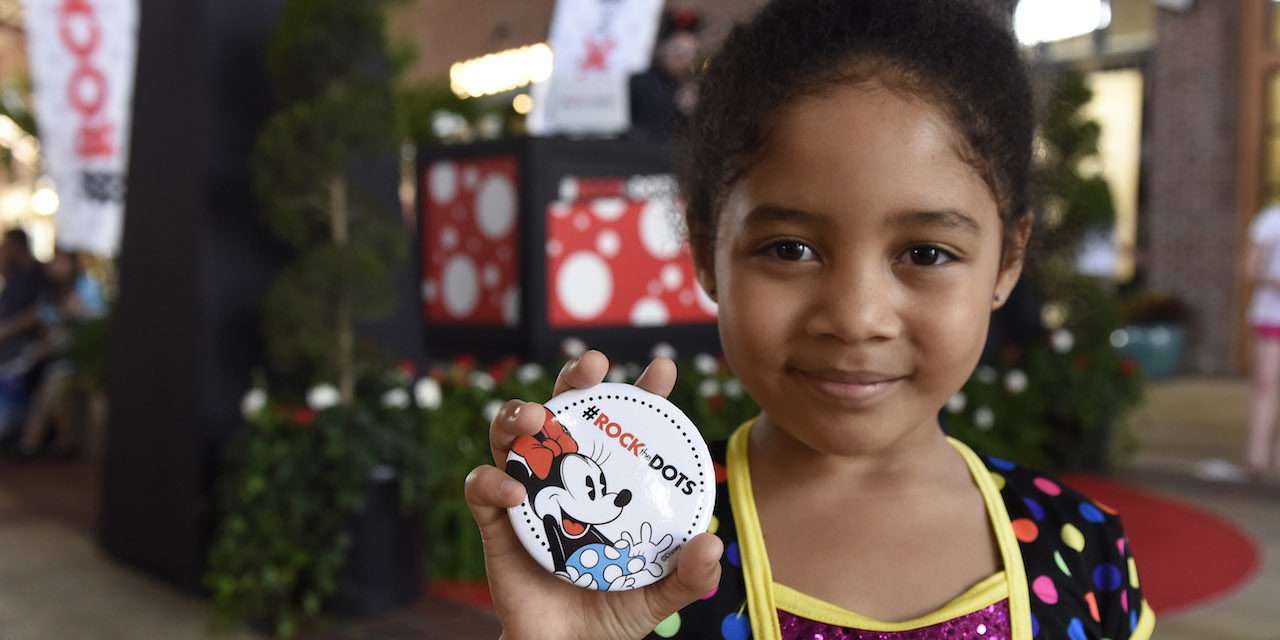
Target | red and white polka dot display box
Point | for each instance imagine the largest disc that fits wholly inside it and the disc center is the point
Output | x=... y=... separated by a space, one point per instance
x=620 y=261
x=471 y=237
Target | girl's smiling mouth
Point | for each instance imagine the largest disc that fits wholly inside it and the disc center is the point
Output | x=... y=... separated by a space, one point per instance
x=858 y=388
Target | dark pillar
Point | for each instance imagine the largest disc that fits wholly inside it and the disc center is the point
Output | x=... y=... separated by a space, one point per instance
x=195 y=263
x=193 y=267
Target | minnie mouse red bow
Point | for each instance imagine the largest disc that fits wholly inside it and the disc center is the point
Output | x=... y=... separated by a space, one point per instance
x=542 y=448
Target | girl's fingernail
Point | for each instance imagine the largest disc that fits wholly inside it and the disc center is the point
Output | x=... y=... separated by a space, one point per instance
x=511 y=486
x=515 y=412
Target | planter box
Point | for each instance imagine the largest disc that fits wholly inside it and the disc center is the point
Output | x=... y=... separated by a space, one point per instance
x=384 y=569
x=1157 y=348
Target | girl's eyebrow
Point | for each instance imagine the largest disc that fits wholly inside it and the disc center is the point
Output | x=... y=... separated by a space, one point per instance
x=768 y=213
x=947 y=218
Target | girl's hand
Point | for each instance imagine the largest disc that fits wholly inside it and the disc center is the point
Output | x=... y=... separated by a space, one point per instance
x=531 y=602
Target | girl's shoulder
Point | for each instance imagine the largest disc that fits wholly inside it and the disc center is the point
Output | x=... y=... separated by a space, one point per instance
x=1080 y=567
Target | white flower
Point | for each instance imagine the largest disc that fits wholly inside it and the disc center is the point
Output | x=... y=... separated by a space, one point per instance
x=491 y=410
x=253 y=402
x=1062 y=340
x=705 y=364
x=984 y=418
x=956 y=403
x=426 y=392
x=709 y=388
x=1053 y=315
x=482 y=381
x=1119 y=338
x=732 y=388
x=323 y=396
x=395 y=398
x=529 y=373
x=664 y=350
x=1015 y=381
x=573 y=347
x=986 y=374
x=616 y=374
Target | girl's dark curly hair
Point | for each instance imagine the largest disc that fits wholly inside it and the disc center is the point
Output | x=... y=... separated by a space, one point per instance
x=956 y=54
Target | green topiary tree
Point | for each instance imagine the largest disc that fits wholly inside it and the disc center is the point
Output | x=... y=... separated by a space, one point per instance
x=328 y=64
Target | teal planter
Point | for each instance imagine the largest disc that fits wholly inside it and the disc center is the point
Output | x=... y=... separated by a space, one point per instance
x=1157 y=348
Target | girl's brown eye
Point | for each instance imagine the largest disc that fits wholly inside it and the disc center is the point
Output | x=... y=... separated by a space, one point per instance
x=792 y=251
x=928 y=256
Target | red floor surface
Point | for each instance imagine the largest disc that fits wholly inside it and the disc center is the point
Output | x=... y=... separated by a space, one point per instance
x=1186 y=556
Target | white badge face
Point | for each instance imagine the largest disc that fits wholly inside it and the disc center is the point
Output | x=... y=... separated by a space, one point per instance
x=618 y=481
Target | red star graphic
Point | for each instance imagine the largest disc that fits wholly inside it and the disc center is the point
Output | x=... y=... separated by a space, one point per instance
x=597 y=56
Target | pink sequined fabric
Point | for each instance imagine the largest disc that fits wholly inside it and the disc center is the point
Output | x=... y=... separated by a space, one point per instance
x=991 y=623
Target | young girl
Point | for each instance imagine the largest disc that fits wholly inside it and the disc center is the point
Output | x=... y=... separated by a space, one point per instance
x=856 y=184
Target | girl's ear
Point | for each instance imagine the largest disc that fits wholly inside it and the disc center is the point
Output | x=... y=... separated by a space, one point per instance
x=1012 y=261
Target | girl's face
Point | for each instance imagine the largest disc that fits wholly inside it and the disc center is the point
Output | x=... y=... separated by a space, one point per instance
x=855 y=267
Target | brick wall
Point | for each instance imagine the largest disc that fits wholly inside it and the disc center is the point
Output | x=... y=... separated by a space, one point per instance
x=1192 y=148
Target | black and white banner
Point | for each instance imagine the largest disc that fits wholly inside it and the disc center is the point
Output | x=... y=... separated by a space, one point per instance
x=82 y=55
x=597 y=45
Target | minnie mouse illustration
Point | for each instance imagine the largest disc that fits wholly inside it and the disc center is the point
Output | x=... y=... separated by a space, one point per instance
x=569 y=493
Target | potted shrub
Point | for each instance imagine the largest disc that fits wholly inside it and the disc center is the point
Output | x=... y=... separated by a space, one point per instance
x=1155 y=332
x=321 y=495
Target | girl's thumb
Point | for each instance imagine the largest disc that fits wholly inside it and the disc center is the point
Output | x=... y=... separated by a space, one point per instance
x=697 y=573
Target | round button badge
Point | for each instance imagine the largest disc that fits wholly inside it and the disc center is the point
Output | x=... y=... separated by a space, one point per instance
x=618 y=480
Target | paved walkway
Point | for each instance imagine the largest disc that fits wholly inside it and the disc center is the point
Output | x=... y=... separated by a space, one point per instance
x=55 y=583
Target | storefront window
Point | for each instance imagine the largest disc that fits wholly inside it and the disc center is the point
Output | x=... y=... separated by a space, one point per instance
x=1273 y=23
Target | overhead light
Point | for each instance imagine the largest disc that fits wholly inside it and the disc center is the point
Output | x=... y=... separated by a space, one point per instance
x=522 y=104
x=44 y=200
x=1039 y=21
x=501 y=71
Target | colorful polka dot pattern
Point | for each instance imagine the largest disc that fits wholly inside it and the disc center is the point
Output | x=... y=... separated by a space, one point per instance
x=1083 y=582
x=1081 y=577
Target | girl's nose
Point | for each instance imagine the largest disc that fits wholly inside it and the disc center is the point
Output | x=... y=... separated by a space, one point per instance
x=856 y=304
x=622 y=499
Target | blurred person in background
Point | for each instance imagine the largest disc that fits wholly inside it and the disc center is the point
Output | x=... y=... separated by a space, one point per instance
x=1262 y=268
x=71 y=297
x=24 y=282
x=663 y=97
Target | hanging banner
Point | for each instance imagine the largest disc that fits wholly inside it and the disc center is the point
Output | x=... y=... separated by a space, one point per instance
x=597 y=45
x=82 y=58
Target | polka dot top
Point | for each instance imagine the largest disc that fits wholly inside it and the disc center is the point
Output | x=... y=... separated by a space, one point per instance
x=1068 y=571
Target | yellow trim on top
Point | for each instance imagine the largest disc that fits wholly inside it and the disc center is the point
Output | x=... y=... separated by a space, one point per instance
x=762 y=602
x=1010 y=553
x=1146 y=623
x=761 y=607
x=985 y=593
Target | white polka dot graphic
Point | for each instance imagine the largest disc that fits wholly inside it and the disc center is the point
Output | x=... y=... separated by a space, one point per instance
x=461 y=287
x=449 y=238
x=490 y=274
x=609 y=209
x=705 y=301
x=649 y=312
x=496 y=207
x=442 y=181
x=657 y=230
x=608 y=243
x=584 y=285
x=672 y=277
